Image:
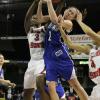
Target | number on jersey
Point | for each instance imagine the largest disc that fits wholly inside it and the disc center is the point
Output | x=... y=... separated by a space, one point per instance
x=49 y=39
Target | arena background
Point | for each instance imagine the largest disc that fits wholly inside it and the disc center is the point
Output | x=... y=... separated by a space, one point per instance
x=13 y=42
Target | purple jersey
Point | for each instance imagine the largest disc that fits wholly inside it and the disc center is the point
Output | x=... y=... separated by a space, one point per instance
x=56 y=56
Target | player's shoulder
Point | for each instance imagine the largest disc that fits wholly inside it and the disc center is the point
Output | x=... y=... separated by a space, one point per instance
x=68 y=22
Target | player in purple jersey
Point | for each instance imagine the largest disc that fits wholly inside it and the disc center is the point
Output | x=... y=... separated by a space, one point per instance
x=56 y=56
x=35 y=39
x=40 y=83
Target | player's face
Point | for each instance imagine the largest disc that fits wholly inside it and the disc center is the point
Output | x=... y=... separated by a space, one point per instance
x=1 y=59
x=70 y=14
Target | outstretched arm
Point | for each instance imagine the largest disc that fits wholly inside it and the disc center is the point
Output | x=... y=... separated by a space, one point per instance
x=7 y=83
x=39 y=10
x=39 y=18
x=67 y=24
x=29 y=14
x=71 y=45
x=54 y=13
x=36 y=19
x=51 y=11
x=87 y=29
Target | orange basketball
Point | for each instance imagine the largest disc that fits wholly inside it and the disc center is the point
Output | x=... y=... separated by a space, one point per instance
x=55 y=1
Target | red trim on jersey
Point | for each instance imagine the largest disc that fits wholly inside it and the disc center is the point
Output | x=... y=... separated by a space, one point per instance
x=35 y=45
x=94 y=74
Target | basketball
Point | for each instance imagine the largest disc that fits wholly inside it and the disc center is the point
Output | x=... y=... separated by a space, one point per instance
x=55 y=1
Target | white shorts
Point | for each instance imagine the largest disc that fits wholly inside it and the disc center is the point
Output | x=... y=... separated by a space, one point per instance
x=95 y=94
x=35 y=67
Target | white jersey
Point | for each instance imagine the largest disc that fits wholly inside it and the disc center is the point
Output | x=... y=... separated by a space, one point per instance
x=94 y=65
x=36 y=39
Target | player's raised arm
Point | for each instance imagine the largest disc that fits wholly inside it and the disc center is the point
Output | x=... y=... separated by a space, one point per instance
x=88 y=30
x=29 y=14
x=51 y=11
x=71 y=45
